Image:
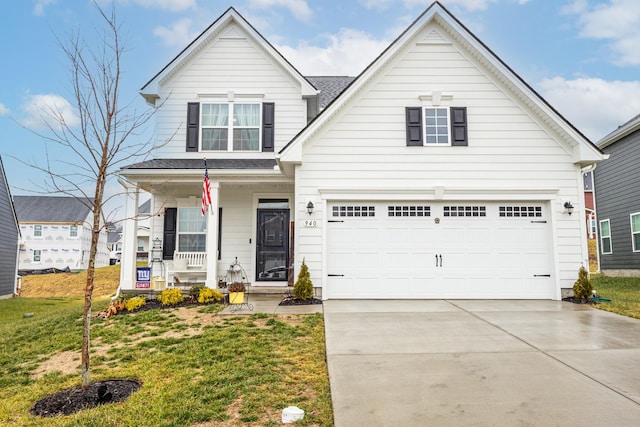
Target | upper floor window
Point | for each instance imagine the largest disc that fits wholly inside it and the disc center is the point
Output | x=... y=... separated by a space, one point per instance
x=635 y=231
x=605 y=237
x=36 y=255
x=436 y=125
x=230 y=127
x=73 y=231
x=37 y=230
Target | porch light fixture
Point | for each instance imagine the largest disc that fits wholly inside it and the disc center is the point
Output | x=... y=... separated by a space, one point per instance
x=568 y=207
x=310 y=208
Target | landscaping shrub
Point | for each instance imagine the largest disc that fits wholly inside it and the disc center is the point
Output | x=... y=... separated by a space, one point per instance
x=582 y=288
x=208 y=295
x=134 y=303
x=303 y=288
x=171 y=297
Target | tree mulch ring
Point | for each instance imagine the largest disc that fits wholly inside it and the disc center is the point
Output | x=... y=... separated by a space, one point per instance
x=291 y=300
x=76 y=399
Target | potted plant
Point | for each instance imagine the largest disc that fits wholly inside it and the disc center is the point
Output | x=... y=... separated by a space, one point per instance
x=236 y=293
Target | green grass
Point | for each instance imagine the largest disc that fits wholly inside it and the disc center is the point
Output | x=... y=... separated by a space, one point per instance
x=194 y=368
x=624 y=293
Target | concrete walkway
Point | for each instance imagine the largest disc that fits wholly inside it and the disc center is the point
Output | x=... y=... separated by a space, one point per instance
x=481 y=363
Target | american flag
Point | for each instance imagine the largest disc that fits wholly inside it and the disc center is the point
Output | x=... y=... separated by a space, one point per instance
x=206 y=190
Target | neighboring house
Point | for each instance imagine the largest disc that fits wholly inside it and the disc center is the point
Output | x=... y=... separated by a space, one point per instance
x=436 y=173
x=617 y=184
x=56 y=233
x=114 y=243
x=9 y=239
x=114 y=238
x=591 y=223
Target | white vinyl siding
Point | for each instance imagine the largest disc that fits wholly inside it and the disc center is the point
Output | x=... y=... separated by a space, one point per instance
x=364 y=148
x=232 y=65
x=605 y=237
x=635 y=231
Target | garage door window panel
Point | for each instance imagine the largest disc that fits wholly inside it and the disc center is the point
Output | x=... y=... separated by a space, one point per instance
x=353 y=211
x=520 y=211
x=409 y=211
x=465 y=211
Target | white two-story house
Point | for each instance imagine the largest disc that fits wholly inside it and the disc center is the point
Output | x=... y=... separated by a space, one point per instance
x=56 y=233
x=436 y=173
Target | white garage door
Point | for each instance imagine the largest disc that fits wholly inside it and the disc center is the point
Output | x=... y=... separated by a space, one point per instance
x=438 y=250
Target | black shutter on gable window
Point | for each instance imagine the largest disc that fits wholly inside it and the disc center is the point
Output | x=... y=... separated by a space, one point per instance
x=193 y=125
x=459 y=127
x=268 y=118
x=170 y=221
x=414 y=126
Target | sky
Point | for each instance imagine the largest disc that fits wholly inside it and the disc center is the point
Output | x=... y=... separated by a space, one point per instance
x=582 y=56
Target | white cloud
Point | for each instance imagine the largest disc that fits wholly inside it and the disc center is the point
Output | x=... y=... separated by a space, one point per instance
x=586 y=102
x=38 y=8
x=178 y=34
x=170 y=5
x=48 y=109
x=3 y=110
x=299 y=8
x=346 y=53
x=470 y=5
x=617 y=21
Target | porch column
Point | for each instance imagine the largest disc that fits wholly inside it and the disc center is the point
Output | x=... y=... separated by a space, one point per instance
x=129 y=238
x=212 y=238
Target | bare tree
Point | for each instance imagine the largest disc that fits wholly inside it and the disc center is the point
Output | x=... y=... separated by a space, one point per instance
x=100 y=137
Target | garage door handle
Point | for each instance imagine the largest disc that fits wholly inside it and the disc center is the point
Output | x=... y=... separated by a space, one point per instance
x=335 y=275
x=541 y=275
x=438 y=257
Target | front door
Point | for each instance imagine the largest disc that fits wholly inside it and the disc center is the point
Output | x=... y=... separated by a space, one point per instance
x=272 y=245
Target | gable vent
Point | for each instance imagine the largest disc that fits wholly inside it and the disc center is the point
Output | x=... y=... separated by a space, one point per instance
x=434 y=37
x=233 y=34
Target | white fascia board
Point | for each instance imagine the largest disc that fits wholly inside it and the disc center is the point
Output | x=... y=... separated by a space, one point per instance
x=620 y=133
x=439 y=193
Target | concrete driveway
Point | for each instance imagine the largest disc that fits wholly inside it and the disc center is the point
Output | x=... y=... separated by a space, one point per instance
x=481 y=363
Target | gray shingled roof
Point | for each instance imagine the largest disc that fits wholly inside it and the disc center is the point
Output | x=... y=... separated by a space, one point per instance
x=199 y=164
x=330 y=87
x=51 y=209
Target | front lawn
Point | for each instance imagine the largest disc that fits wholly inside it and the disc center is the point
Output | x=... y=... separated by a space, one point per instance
x=196 y=368
x=624 y=293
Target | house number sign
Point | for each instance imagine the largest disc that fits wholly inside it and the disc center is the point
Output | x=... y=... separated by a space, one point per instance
x=310 y=223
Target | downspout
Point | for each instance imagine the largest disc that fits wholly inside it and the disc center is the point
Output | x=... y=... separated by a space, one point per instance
x=591 y=168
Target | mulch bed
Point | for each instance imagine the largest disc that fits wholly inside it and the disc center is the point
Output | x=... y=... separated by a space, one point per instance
x=580 y=300
x=72 y=400
x=291 y=300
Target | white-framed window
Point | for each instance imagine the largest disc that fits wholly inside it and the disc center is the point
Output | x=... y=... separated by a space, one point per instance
x=436 y=126
x=192 y=236
x=232 y=126
x=605 y=237
x=73 y=231
x=37 y=255
x=37 y=230
x=635 y=231
x=140 y=245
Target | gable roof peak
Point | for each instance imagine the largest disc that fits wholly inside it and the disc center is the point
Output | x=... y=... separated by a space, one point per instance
x=151 y=89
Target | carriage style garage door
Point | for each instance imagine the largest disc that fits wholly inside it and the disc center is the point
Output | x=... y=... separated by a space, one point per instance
x=438 y=250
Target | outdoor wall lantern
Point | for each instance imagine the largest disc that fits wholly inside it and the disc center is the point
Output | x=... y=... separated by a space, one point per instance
x=568 y=207
x=310 y=208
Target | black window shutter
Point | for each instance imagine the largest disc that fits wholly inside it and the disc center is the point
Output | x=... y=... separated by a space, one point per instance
x=170 y=221
x=193 y=125
x=414 y=125
x=268 y=116
x=459 y=126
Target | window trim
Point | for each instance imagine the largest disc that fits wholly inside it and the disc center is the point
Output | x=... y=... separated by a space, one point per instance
x=229 y=127
x=633 y=233
x=178 y=233
x=603 y=237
